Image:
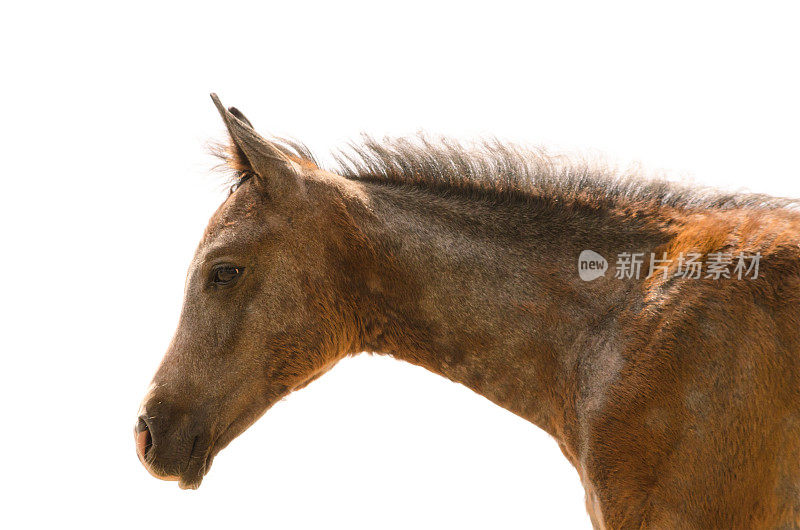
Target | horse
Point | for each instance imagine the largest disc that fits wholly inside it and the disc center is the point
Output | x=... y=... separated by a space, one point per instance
x=673 y=392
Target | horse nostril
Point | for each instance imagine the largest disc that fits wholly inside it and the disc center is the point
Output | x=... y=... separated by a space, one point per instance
x=143 y=439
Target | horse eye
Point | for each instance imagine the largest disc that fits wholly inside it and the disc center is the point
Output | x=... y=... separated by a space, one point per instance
x=225 y=274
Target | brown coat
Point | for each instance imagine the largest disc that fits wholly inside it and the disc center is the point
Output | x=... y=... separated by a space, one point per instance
x=675 y=398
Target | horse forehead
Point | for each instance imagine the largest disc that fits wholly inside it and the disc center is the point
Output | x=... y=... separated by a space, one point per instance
x=217 y=239
x=230 y=214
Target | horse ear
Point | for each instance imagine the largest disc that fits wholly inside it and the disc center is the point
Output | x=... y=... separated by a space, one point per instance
x=236 y=112
x=273 y=167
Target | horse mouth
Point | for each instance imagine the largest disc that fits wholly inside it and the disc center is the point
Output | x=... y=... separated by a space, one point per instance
x=196 y=466
x=200 y=459
x=201 y=456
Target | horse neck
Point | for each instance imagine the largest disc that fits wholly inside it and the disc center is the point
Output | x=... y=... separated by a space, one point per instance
x=487 y=293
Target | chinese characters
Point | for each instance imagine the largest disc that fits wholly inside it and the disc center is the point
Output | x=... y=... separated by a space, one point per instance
x=690 y=265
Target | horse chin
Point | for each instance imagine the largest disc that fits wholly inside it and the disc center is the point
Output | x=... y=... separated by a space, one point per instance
x=199 y=464
x=193 y=476
x=186 y=483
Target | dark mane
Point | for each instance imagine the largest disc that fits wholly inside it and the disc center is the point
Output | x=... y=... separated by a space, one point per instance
x=495 y=170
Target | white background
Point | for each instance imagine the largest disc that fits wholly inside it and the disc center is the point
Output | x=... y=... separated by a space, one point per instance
x=106 y=190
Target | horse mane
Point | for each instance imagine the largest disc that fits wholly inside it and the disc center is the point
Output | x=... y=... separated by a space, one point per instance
x=501 y=171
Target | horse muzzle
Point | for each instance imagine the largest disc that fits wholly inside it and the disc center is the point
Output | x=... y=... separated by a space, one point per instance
x=174 y=450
